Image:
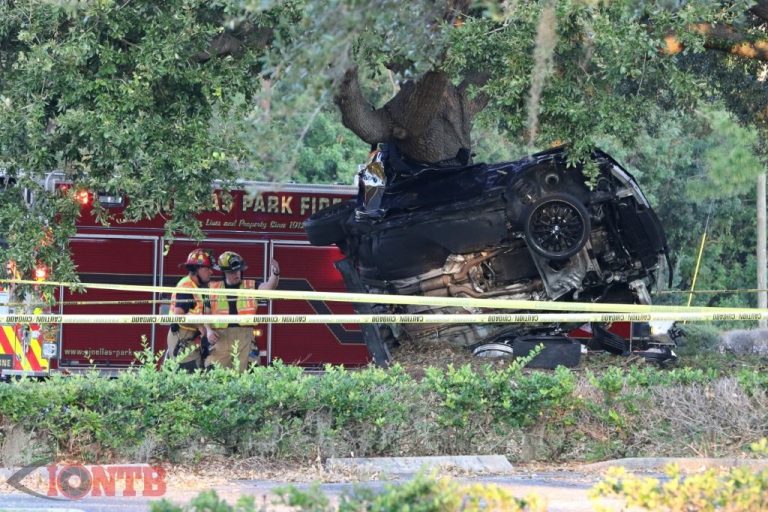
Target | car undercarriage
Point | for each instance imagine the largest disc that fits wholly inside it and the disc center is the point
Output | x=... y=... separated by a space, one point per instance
x=532 y=229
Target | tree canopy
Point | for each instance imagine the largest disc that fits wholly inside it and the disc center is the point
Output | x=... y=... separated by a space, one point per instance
x=156 y=100
x=550 y=71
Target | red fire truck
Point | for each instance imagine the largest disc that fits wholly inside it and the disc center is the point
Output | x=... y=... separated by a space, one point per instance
x=262 y=221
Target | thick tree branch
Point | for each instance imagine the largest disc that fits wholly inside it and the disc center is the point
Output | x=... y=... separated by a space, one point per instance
x=475 y=79
x=723 y=38
x=429 y=119
x=358 y=115
x=221 y=45
x=235 y=43
x=419 y=102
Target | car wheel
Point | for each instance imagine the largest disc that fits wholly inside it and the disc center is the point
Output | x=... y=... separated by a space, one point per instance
x=557 y=226
x=493 y=350
x=325 y=226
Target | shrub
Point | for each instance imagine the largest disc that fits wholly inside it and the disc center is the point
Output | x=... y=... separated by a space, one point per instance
x=282 y=412
x=735 y=490
x=207 y=501
x=700 y=337
x=421 y=494
x=508 y=396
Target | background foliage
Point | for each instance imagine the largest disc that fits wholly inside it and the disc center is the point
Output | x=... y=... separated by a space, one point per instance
x=137 y=98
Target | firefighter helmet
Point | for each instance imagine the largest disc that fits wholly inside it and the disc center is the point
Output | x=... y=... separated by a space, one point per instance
x=230 y=261
x=200 y=258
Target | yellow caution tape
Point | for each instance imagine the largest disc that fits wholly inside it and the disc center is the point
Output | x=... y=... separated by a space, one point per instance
x=732 y=290
x=441 y=318
x=413 y=300
x=89 y=303
x=676 y=312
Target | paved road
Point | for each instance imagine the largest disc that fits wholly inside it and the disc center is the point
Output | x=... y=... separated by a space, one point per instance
x=565 y=491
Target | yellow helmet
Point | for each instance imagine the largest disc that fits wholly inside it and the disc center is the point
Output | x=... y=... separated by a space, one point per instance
x=230 y=261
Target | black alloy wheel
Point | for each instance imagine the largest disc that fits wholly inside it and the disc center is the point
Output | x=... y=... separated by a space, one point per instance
x=557 y=226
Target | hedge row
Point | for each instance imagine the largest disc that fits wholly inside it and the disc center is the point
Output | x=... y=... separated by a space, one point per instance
x=282 y=412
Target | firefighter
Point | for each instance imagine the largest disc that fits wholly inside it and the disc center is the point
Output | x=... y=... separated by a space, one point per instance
x=236 y=337
x=200 y=266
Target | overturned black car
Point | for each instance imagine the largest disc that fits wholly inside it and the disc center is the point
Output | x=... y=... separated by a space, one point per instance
x=530 y=229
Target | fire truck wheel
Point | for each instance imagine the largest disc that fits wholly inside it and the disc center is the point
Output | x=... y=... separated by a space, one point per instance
x=326 y=227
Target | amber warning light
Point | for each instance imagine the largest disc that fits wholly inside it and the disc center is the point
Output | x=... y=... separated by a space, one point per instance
x=83 y=197
x=41 y=272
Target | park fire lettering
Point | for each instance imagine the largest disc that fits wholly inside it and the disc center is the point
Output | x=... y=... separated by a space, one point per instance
x=310 y=205
x=268 y=204
x=285 y=204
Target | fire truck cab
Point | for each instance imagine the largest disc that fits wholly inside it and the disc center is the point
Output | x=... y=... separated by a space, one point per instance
x=25 y=349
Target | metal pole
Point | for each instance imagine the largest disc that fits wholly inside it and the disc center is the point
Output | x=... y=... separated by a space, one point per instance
x=762 y=296
x=698 y=258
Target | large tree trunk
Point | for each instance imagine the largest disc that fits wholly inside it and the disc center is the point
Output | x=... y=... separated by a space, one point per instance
x=429 y=120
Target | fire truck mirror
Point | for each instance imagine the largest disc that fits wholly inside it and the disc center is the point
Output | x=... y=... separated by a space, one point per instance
x=5 y=299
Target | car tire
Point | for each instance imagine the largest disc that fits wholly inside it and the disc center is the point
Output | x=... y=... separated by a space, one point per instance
x=325 y=227
x=557 y=351
x=493 y=351
x=557 y=226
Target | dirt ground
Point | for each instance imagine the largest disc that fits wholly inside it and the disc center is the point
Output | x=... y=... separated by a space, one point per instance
x=414 y=358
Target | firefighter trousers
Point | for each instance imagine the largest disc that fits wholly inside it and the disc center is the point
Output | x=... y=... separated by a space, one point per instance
x=232 y=348
x=181 y=340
